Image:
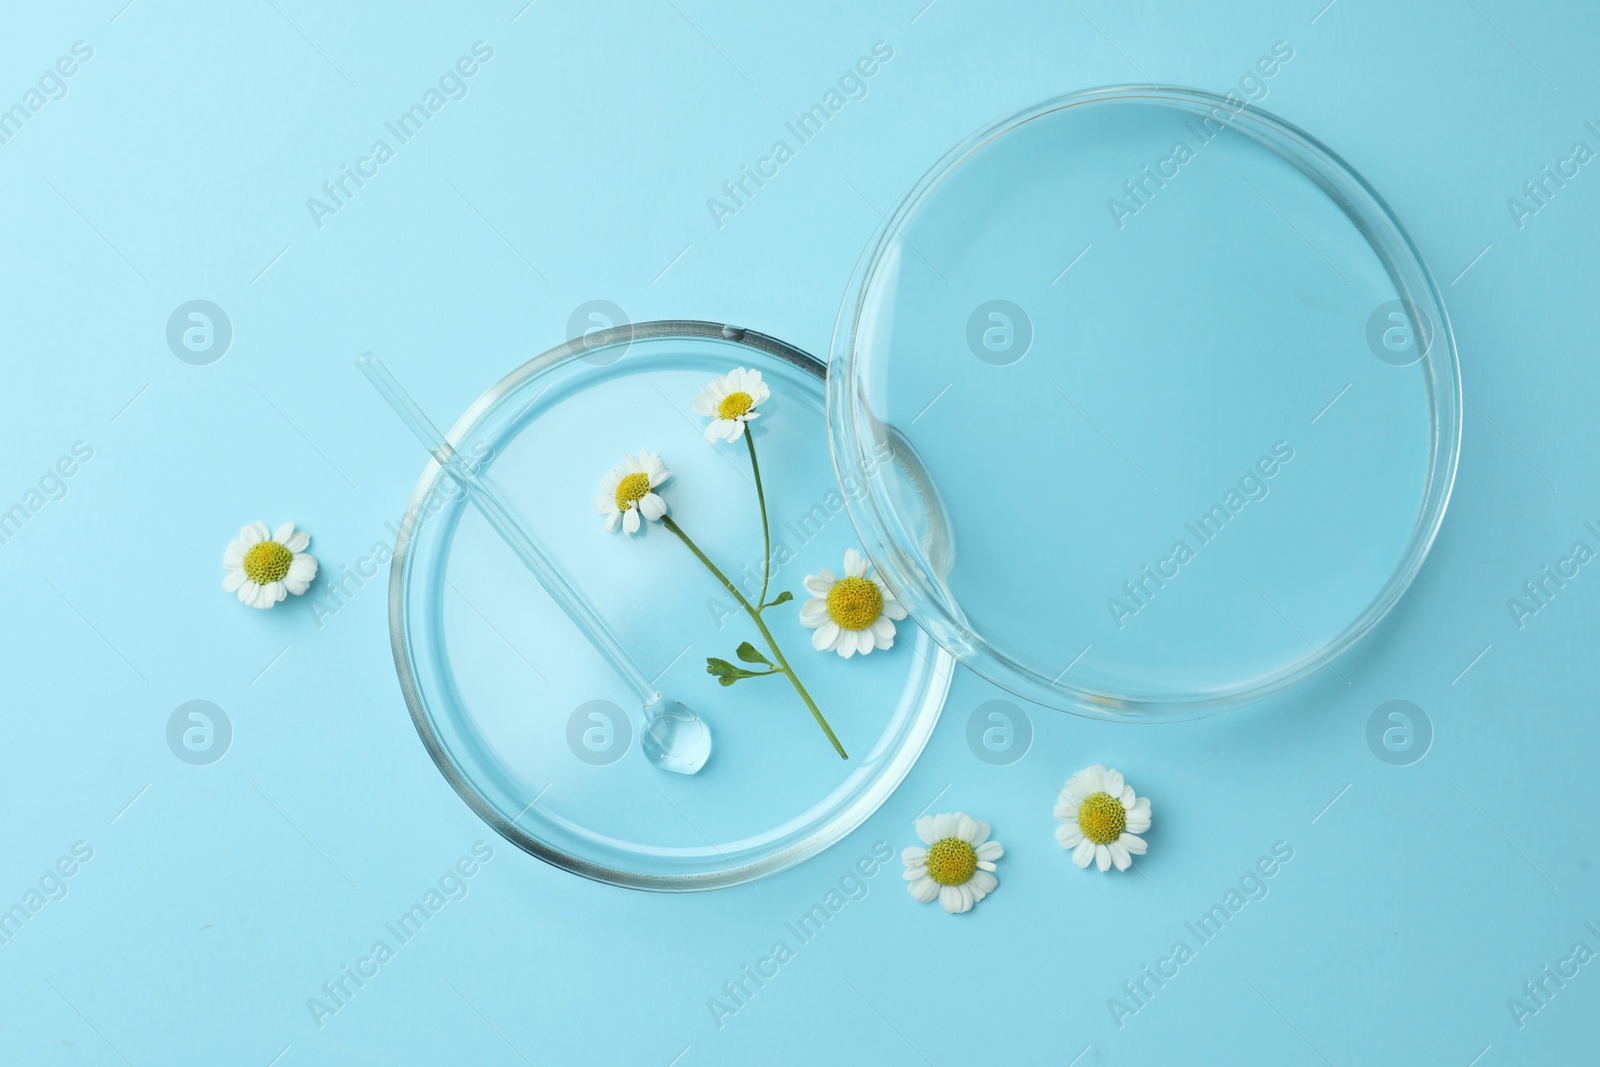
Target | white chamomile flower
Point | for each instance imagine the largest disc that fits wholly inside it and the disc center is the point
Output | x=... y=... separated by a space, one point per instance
x=850 y=614
x=958 y=864
x=730 y=402
x=265 y=567
x=1102 y=815
x=629 y=491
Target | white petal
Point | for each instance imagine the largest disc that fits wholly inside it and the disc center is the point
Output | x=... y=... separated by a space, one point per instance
x=947 y=824
x=652 y=507
x=302 y=568
x=983 y=883
x=233 y=555
x=925 y=828
x=713 y=431
x=298 y=542
x=1138 y=824
x=1068 y=835
x=1083 y=853
x=923 y=890
x=1135 y=845
x=296 y=585
x=823 y=640
x=254 y=534
x=813 y=612
x=952 y=900
x=630 y=521
x=613 y=520
x=735 y=429
x=283 y=533
x=819 y=584
x=989 y=851
x=233 y=580
x=855 y=564
x=912 y=856
x=1119 y=856
x=1102 y=857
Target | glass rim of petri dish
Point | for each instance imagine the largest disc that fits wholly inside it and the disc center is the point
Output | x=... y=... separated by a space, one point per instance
x=890 y=532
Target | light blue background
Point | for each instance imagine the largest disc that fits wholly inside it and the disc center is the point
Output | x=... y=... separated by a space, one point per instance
x=578 y=167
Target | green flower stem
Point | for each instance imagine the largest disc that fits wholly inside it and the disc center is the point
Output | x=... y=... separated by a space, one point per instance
x=755 y=616
x=766 y=535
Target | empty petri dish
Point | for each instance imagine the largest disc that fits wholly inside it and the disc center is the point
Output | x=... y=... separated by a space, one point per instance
x=528 y=722
x=1173 y=399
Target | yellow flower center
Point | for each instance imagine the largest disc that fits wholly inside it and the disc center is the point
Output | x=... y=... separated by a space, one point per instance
x=951 y=861
x=631 y=490
x=855 y=603
x=1102 y=818
x=735 y=404
x=267 y=561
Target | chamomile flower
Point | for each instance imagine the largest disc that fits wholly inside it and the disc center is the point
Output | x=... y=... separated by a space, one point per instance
x=850 y=614
x=730 y=402
x=264 y=567
x=1101 y=817
x=957 y=866
x=629 y=491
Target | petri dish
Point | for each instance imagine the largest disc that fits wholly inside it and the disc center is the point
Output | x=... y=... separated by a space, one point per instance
x=525 y=719
x=1173 y=399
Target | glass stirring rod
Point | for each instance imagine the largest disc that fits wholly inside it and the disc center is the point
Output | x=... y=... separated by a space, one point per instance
x=674 y=737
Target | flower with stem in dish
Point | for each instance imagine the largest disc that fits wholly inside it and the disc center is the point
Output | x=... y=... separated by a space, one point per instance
x=630 y=491
x=730 y=402
x=1101 y=819
x=850 y=614
x=957 y=866
x=264 y=567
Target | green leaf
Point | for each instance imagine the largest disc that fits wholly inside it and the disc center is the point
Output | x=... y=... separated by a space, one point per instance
x=727 y=673
x=782 y=598
x=750 y=654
